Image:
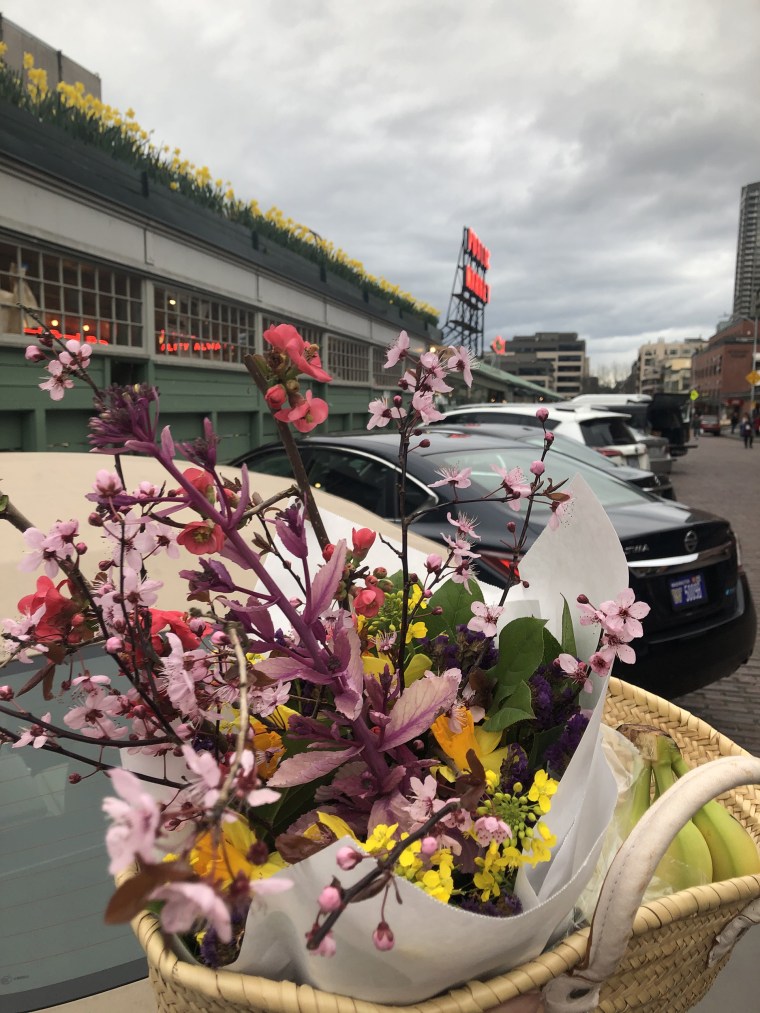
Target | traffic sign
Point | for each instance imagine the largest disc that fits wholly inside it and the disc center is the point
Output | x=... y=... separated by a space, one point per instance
x=694 y=394
x=753 y=378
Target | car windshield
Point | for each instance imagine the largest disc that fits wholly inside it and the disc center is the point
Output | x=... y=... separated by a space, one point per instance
x=611 y=491
x=607 y=432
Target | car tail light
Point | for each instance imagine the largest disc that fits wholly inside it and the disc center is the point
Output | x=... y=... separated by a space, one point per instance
x=502 y=564
x=608 y=452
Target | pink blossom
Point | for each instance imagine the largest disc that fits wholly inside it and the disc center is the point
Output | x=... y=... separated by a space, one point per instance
x=484 y=618
x=453 y=475
x=326 y=948
x=559 y=509
x=465 y=525
x=35 y=736
x=428 y=847
x=189 y=903
x=135 y=819
x=575 y=670
x=362 y=539
x=76 y=355
x=107 y=484
x=59 y=381
x=514 y=484
x=617 y=646
x=41 y=552
x=461 y=360
x=624 y=613
x=433 y=563
x=34 y=354
x=382 y=413
x=542 y=414
x=398 y=350
x=537 y=468
x=423 y=403
x=491 y=828
x=599 y=664
x=208 y=775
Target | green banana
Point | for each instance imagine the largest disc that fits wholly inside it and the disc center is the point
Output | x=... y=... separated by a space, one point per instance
x=733 y=851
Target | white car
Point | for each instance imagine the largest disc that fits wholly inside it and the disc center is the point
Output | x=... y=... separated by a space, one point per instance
x=604 y=431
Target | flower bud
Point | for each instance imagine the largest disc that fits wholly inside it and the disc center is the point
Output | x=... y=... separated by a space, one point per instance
x=327 y=552
x=363 y=540
x=582 y=599
x=95 y=520
x=382 y=937
x=275 y=397
x=380 y=572
x=542 y=414
x=428 y=846
x=6 y=693
x=197 y=626
x=424 y=444
x=330 y=900
x=219 y=638
x=327 y=947
x=347 y=858
x=433 y=563
x=511 y=527
x=33 y=354
x=74 y=778
x=81 y=548
x=537 y=468
x=548 y=437
x=114 y=645
x=398 y=400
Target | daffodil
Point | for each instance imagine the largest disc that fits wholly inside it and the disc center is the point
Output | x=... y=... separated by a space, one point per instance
x=457 y=743
x=222 y=855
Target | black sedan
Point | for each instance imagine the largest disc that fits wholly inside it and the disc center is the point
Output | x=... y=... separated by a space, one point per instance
x=682 y=562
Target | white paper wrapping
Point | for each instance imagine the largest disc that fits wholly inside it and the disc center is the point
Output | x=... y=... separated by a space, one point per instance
x=438 y=946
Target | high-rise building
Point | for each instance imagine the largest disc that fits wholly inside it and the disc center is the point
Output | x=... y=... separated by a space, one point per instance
x=665 y=366
x=747 y=282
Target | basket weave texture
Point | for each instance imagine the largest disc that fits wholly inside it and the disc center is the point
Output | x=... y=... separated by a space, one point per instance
x=664 y=968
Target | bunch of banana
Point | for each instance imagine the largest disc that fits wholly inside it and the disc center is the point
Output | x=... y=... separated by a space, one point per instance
x=713 y=845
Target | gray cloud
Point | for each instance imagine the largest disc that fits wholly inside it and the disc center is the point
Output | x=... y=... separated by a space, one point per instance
x=599 y=149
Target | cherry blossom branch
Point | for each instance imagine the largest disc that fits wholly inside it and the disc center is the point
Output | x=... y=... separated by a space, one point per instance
x=244 y=725
x=296 y=462
x=383 y=866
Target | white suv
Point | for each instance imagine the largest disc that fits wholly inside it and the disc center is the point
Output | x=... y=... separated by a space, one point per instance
x=606 y=432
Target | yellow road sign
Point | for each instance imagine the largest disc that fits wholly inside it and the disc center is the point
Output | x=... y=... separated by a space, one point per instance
x=753 y=377
x=694 y=394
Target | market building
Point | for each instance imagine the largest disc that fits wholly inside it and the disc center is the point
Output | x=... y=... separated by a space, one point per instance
x=170 y=292
x=721 y=369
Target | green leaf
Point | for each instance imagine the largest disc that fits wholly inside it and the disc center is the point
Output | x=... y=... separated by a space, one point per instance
x=519 y=708
x=456 y=602
x=3 y=504
x=568 y=633
x=552 y=648
x=521 y=647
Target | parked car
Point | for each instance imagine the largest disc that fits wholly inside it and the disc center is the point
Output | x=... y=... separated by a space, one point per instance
x=683 y=562
x=54 y=946
x=647 y=481
x=710 y=424
x=661 y=415
x=606 y=432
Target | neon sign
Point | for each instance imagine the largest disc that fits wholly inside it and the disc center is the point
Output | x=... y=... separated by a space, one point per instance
x=476 y=284
x=89 y=339
x=172 y=342
x=478 y=250
x=499 y=345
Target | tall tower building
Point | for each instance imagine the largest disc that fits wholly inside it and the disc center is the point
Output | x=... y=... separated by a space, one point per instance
x=747 y=280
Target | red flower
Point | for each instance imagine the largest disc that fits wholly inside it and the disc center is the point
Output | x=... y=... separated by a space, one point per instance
x=305 y=357
x=309 y=413
x=369 y=601
x=363 y=540
x=202 y=481
x=61 y=622
x=200 y=538
x=177 y=623
x=275 y=397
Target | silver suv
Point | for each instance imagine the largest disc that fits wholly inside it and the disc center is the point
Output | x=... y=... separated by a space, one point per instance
x=606 y=432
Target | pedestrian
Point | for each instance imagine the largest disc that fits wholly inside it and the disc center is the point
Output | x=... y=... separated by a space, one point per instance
x=746 y=431
x=697 y=427
x=734 y=421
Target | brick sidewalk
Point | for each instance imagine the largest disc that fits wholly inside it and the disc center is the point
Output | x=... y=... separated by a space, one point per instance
x=722 y=476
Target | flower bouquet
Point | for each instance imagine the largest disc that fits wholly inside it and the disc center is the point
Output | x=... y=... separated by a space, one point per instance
x=338 y=745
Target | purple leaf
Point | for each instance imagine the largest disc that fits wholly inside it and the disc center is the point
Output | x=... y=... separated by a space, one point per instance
x=167 y=443
x=287 y=669
x=418 y=707
x=289 y=525
x=305 y=767
x=325 y=583
x=349 y=683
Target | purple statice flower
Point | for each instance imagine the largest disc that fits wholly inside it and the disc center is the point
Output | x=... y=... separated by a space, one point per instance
x=124 y=414
x=214 y=952
x=542 y=699
x=559 y=754
x=505 y=907
x=514 y=768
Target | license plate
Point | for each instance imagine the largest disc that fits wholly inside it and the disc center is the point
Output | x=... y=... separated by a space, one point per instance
x=685 y=591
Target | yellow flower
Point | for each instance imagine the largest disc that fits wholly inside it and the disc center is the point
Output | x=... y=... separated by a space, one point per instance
x=222 y=856
x=28 y=61
x=3 y=49
x=456 y=745
x=542 y=789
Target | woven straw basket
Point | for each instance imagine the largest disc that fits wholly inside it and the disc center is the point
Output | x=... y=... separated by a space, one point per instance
x=664 y=965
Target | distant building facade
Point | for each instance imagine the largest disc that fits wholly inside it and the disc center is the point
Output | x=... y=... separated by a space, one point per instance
x=553 y=360
x=665 y=365
x=747 y=280
x=719 y=371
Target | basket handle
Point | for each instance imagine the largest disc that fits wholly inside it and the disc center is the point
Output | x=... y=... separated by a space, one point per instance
x=629 y=875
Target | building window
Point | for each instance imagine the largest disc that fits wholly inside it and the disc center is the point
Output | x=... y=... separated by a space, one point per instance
x=348 y=360
x=193 y=326
x=75 y=298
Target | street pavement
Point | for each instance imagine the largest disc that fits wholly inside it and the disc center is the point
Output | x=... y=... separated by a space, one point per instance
x=718 y=474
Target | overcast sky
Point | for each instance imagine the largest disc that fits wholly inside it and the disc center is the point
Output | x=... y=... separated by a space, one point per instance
x=597 y=147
